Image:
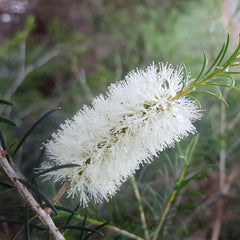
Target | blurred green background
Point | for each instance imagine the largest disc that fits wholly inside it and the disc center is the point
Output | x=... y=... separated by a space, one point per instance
x=58 y=53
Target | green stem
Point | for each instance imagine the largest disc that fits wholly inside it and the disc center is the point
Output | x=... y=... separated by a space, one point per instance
x=170 y=202
x=107 y=227
x=200 y=83
x=140 y=208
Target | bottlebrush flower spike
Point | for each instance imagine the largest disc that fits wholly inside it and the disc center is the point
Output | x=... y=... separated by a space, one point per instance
x=121 y=131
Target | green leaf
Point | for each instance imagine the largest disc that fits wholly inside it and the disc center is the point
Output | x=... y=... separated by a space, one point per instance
x=60 y=208
x=22 y=222
x=194 y=160
x=197 y=194
x=96 y=228
x=7 y=191
x=203 y=68
x=233 y=73
x=214 y=95
x=65 y=209
x=233 y=56
x=74 y=212
x=117 y=213
x=2 y=140
x=227 y=75
x=40 y=157
x=198 y=102
x=32 y=128
x=15 y=237
x=4 y=144
x=225 y=50
x=185 y=182
x=83 y=225
x=226 y=85
x=7 y=185
x=203 y=168
x=37 y=192
x=7 y=121
x=191 y=148
x=2 y=101
x=70 y=165
x=173 y=169
x=219 y=56
x=215 y=88
x=185 y=75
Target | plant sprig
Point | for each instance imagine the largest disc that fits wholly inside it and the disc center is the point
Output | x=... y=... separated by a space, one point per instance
x=216 y=75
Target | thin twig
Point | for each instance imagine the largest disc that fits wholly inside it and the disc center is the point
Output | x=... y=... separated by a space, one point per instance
x=81 y=76
x=140 y=208
x=27 y=196
x=26 y=70
x=21 y=74
x=233 y=174
x=235 y=120
x=222 y=150
x=222 y=173
x=59 y=194
x=220 y=205
x=61 y=191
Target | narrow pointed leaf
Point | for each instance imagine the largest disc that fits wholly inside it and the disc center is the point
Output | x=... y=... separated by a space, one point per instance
x=32 y=128
x=74 y=212
x=191 y=148
x=216 y=60
x=227 y=75
x=185 y=74
x=214 y=95
x=15 y=237
x=96 y=228
x=61 y=209
x=232 y=57
x=7 y=191
x=40 y=157
x=203 y=68
x=224 y=51
x=2 y=141
x=83 y=225
x=4 y=144
x=22 y=222
x=215 y=88
x=233 y=73
x=2 y=101
x=70 y=165
x=198 y=102
x=7 y=121
x=185 y=182
x=203 y=168
x=7 y=185
x=37 y=192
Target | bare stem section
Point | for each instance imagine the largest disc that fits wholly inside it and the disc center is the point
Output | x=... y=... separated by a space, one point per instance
x=61 y=191
x=27 y=196
x=59 y=194
x=140 y=208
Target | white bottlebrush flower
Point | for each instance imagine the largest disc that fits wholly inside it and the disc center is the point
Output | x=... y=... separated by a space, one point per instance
x=110 y=140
